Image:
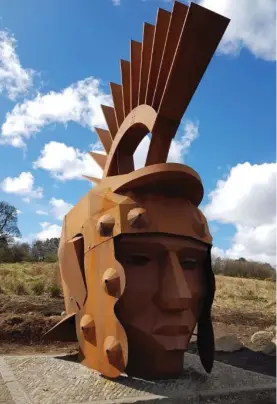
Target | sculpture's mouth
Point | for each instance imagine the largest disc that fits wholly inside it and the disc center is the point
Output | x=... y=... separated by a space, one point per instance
x=168 y=330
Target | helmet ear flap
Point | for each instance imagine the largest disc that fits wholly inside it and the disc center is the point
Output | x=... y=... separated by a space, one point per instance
x=205 y=334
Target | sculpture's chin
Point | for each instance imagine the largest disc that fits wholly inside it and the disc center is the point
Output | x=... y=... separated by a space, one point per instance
x=173 y=342
x=160 y=365
x=150 y=359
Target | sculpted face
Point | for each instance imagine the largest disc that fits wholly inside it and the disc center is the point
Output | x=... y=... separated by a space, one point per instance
x=162 y=300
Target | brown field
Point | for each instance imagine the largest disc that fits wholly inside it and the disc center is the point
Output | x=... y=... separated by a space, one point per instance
x=30 y=303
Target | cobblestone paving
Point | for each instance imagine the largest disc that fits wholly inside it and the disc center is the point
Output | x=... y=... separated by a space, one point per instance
x=49 y=380
x=5 y=397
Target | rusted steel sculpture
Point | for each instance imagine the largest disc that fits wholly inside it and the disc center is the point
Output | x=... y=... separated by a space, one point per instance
x=134 y=254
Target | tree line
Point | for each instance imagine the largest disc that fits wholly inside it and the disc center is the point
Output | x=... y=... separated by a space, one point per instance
x=38 y=250
x=46 y=250
x=11 y=251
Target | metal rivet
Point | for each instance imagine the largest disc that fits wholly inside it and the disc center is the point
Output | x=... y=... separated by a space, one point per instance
x=113 y=351
x=137 y=218
x=105 y=225
x=111 y=281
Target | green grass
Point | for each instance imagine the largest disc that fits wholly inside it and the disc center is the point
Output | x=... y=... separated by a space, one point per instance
x=29 y=278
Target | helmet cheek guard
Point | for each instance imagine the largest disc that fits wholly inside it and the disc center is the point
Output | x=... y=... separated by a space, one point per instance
x=102 y=339
x=205 y=333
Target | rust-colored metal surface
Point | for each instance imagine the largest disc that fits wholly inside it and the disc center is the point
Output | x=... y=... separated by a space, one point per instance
x=117 y=95
x=105 y=138
x=134 y=253
x=135 y=72
x=126 y=80
x=161 y=28
x=148 y=36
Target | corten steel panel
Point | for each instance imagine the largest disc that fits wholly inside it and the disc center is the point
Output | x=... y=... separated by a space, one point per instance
x=116 y=90
x=126 y=85
x=177 y=20
x=92 y=179
x=161 y=177
x=182 y=224
x=92 y=228
x=200 y=37
x=105 y=138
x=162 y=135
x=105 y=331
x=163 y=18
x=99 y=158
x=148 y=36
x=202 y=31
x=110 y=119
x=142 y=120
x=63 y=331
x=72 y=258
x=135 y=71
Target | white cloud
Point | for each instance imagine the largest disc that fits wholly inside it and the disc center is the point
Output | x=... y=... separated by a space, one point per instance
x=247 y=199
x=60 y=208
x=218 y=252
x=14 y=79
x=41 y=212
x=44 y=225
x=253 y=26
x=48 y=231
x=22 y=185
x=116 y=2
x=66 y=163
x=18 y=211
x=80 y=102
x=187 y=133
x=181 y=145
x=141 y=152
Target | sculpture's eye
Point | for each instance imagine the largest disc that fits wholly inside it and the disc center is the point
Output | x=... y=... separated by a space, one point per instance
x=188 y=263
x=137 y=260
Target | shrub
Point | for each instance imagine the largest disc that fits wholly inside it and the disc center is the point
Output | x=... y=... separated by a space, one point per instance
x=19 y=288
x=51 y=258
x=54 y=290
x=242 y=268
x=38 y=287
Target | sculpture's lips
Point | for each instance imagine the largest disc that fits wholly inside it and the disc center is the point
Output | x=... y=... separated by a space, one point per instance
x=172 y=330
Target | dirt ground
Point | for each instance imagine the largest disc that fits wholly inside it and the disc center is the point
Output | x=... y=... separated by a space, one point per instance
x=23 y=319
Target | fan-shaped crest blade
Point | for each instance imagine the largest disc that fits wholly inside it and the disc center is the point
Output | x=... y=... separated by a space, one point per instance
x=99 y=158
x=105 y=138
x=110 y=118
x=116 y=90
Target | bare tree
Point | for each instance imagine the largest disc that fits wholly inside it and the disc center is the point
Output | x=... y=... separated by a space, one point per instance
x=8 y=222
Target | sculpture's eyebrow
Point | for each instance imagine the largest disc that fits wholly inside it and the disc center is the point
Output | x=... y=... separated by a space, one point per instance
x=190 y=251
x=141 y=244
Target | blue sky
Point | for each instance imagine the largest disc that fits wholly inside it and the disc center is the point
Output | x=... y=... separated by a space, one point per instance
x=56 y=61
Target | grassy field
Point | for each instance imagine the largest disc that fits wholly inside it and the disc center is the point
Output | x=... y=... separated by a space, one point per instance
x=29 y=278
x=234 y=296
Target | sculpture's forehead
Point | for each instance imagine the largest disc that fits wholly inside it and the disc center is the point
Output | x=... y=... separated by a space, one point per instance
x=159 y=242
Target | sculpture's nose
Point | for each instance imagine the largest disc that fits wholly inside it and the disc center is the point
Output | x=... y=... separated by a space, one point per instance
x=174 y=293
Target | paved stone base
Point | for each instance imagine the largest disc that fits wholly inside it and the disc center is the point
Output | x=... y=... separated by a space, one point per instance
x=49 y=380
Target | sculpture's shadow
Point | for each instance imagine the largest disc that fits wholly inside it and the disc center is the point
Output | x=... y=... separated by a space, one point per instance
x=167 y=387
x=194 y=382
x=246 y=359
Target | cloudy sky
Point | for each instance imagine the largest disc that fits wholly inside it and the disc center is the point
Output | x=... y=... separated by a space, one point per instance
x=56 y=61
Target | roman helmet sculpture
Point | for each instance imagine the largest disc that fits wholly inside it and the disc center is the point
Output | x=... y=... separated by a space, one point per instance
x=135 y=251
